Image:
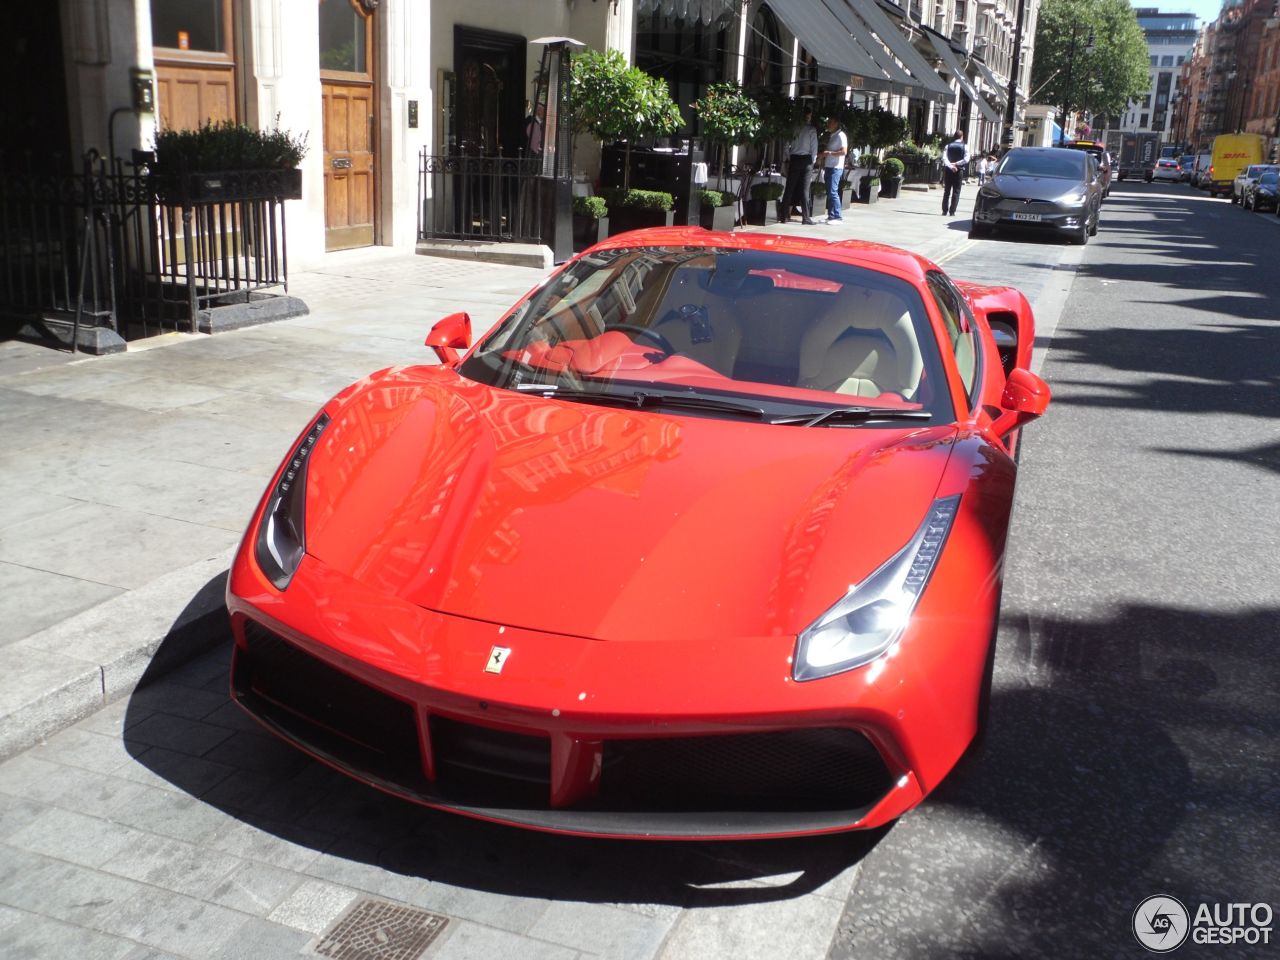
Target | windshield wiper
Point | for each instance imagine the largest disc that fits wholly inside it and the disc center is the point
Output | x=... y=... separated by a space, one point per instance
x=642 y=400
x=853 y=415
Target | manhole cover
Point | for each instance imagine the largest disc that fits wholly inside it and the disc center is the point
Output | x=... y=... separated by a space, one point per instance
x=378 y=930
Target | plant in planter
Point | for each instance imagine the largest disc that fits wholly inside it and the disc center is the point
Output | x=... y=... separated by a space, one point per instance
x=616 y=102
x=891 y=176
x=729 y=118
x=756 y=209
x=638 y=209
x=869 y=189
x=228 y=161
x=590 y=221
x=717 y=210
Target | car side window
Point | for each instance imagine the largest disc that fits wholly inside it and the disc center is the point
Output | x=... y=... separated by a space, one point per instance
x=959 y=324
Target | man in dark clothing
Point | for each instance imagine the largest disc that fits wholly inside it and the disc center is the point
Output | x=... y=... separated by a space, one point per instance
x=955 y=160
x=803 y=150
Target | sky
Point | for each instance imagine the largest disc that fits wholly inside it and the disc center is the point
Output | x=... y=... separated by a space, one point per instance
x=1206 y=10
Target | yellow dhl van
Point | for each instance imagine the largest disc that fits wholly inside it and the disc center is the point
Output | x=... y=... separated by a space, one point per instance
x=1231 y=153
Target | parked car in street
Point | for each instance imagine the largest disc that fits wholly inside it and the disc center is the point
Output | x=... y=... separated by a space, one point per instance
x=1200 y=175
x=1262 y=193
x=1246 y=178
x=704 y=539
x=1168 y=170
x=1041 y=188
x=1188 y=165
x=1099 y=153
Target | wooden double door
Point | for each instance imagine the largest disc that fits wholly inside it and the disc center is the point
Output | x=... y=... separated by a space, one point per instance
x=347 y=90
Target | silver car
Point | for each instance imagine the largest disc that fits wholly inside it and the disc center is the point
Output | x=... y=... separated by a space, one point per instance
x=1041 y=188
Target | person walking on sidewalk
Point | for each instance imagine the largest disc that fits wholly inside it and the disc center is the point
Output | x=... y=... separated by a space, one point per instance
x=803 y=151
x=833 y=166
x=955 y=160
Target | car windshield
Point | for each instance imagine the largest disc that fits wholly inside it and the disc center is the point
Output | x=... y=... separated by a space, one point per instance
x=1062 y=164
x=723 y=332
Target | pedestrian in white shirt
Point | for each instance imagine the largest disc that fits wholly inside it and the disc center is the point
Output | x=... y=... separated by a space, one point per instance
x=833 y=166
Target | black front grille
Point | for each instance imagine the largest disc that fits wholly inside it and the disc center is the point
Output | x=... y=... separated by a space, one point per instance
x=819 y=769
x=329 y=711
x=480 y=765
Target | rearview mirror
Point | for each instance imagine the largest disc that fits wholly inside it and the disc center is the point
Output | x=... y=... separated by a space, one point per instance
x=1025 y=398
x=450 y=335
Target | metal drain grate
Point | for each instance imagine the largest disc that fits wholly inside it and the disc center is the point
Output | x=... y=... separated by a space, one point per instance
x=378 y=930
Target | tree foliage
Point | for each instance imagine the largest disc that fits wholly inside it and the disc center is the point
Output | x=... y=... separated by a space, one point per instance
x=728 y=115
x=613 y=101
x=1100 y=81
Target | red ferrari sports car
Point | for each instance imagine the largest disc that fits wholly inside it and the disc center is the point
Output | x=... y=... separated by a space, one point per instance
x=704 y=539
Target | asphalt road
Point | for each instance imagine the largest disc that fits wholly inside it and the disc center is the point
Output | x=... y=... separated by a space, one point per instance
x=1135 y=714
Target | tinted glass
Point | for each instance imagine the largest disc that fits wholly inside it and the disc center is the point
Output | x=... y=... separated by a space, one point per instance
x=955 y=316
x=1269 y=178
x=788 y=332
x=1065 y=164
x=188 y=25
x=342 y=37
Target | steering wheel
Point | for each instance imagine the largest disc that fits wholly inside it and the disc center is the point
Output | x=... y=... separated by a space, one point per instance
x=663 y=344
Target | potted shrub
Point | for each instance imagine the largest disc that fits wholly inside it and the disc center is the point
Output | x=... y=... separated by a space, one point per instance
x=616 y=102
x=891 y=177
x=638 y=209
x=590 y=221
x=729 y=118
x=227 y=161
x=756 y=209
x=716 y=211
x=869 y=189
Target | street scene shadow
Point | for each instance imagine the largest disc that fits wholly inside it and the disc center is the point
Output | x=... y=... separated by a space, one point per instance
x=1113 y=744
x=182 y=726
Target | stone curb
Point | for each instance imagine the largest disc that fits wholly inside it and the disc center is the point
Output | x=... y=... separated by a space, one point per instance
x=68 y=671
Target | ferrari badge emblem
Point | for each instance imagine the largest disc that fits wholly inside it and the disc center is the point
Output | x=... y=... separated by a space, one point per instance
x=497 y=659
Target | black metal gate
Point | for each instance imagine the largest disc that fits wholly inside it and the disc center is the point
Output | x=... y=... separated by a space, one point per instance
x=480 y=198
x=105 y=247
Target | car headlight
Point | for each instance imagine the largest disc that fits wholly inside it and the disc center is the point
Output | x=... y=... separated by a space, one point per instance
x=988 y=193
x=281 y=534
x=870 y=618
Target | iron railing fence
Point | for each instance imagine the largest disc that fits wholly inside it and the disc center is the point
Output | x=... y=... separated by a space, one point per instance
x=105 y=247
x=480 y=198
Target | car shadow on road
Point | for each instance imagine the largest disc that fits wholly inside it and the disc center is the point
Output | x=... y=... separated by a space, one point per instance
x=1127 y=756
x=182 y=726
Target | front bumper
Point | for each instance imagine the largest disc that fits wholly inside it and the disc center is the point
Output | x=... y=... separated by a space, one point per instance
x=1029 y=214
x=588 y=737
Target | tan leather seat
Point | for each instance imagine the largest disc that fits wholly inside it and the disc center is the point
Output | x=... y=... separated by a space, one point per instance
x=864 y=345
x=712 y=337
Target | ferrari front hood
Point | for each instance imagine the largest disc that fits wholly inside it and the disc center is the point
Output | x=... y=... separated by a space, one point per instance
x=603 y=523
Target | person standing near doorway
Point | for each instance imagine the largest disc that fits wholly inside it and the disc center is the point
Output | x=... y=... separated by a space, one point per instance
x=955 y=160
x=833 y=166
x=803 y=151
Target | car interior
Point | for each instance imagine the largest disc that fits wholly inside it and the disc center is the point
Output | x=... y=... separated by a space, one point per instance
x=743 y=318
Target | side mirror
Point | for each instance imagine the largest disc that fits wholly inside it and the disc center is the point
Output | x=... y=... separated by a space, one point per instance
x=450 y=335
x=1025 y=398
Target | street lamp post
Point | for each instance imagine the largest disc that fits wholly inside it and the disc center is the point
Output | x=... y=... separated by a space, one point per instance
x=1010 y=109
x=1066 y=96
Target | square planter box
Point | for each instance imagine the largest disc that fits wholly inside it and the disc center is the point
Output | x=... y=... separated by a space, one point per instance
x=889 y=187
x=588 y=231
x=622 y=219
x=718 y=218
x=756 y=212
x=229 y=185
x=867 y=193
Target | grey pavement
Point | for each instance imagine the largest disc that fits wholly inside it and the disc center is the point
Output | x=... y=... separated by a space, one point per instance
x=142 y=815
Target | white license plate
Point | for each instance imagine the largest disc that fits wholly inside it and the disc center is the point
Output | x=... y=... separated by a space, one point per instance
x=1030 y=217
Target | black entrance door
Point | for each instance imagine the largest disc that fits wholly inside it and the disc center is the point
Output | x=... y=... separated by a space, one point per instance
x=490 y=70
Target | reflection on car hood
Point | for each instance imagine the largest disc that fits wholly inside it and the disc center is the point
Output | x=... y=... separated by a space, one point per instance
x=606 y=523
x=1035 y=188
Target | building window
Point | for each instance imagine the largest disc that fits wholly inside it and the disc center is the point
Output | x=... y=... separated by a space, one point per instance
x=1146 y=101
x=1181 y=60
x=1143 y=121
x=189 y=25
x=342 y=38
x=1155 y=61
x=1166 y=61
